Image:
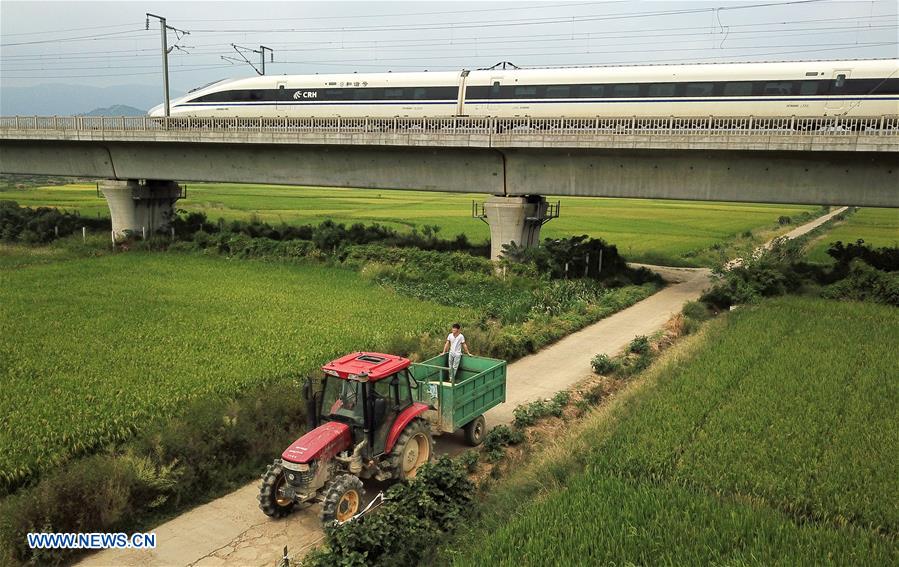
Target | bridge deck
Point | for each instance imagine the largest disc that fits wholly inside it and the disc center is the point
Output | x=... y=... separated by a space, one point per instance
x=841 y=134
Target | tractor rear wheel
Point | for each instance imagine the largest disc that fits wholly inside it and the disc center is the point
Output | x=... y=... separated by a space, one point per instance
x=475 y=431
x=414 y=448
x=272 y=500
x=343 y=499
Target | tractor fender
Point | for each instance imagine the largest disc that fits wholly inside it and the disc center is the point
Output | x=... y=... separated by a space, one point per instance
x=323 y=442
x=402 y=420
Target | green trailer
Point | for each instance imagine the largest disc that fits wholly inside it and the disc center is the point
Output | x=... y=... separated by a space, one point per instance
x=462 y=400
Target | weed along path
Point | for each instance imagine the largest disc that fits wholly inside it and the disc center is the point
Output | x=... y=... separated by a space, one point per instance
x=233 y=531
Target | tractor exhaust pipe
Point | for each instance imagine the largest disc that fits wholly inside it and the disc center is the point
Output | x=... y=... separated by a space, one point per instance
x=311 y=405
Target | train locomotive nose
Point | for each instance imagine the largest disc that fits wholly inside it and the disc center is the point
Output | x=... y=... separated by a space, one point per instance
x=157 y=111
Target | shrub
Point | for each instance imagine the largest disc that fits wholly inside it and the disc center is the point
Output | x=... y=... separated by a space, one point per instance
x=633 y=364
x=41 y=225
x=864 y=283
x=412 y=521
x=603 y=364
x=530 y=413
x=498 y=438
x=782 y=220
x=640 y=345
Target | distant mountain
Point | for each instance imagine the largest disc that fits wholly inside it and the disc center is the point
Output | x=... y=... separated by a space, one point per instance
x=67 y=100
x=116 y=110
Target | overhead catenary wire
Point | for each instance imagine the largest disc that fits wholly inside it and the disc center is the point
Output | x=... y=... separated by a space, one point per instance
x=52 y=65
x=466 y=25
x=455 y=67
x=701 y=34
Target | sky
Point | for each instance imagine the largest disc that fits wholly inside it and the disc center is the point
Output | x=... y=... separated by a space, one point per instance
x=107 y=43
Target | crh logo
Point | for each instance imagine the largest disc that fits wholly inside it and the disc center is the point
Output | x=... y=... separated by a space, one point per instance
x=304 y=94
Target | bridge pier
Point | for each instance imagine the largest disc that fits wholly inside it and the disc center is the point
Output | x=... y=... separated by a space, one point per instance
x=136 y=206
x=515 y=219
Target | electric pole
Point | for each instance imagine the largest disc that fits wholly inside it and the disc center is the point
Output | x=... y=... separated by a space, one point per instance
x=261 y=51
x=165 y=54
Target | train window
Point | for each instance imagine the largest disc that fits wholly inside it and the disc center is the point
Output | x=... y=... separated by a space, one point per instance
x=779 y=88
x=742 y=88
x=419 y=93
x=808 y=87
x=700 y=89
x=662 y=89
x=524 y=92
x=590 y=90
x=362 y=94
x=393 y=93
x=840 y=81
x=626 y=91
x=558 y=91
x=494 y=90
x=333 y=94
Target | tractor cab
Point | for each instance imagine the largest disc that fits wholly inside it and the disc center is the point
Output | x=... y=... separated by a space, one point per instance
x=367 y=392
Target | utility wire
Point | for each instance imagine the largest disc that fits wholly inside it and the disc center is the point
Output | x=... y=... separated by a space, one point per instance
x=638 y=32
x=385 y=64
x=454 y=25
x=521 y=22
x=63 y=40
x=47 y=64
x=74 y=29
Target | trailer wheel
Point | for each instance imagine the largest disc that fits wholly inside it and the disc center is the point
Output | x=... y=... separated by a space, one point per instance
x=272 y=501
x=475 y=431
x=414 y=448
x=343 y=499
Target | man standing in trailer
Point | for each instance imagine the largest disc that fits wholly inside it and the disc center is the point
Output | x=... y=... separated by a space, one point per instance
x=455 y=342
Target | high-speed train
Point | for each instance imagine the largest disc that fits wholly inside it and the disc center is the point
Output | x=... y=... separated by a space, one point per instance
x=799 y=88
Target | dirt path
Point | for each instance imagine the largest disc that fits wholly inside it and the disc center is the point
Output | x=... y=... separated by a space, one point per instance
x=233 y=531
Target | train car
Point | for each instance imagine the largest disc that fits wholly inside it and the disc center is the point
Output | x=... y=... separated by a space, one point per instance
x=799 y=88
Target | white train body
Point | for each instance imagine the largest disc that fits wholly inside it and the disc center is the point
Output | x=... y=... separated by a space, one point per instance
x=806 y=88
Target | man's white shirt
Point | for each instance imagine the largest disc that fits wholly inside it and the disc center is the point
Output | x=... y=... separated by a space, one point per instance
x=455 y=343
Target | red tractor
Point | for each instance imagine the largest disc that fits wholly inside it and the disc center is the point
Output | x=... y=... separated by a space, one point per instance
x=373 y=418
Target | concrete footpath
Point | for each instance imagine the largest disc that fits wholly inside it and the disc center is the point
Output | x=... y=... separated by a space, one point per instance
x=233 y=531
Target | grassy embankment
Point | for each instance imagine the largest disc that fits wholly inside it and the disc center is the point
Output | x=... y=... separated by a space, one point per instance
x=652 y=231
x=768 y=439
x=877 y=227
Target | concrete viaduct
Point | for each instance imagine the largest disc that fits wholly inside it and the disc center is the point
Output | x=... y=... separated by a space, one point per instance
x=829 y=161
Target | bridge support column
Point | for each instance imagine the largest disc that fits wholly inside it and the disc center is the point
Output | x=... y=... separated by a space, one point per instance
x=135 y=206
x=514 y=219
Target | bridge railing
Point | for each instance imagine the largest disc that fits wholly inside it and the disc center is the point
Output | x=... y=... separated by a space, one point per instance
x=627 y=125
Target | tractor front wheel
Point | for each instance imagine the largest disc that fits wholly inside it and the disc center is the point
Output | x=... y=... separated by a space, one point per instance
x=272 y=500
x=414 y=448
x=343 y=499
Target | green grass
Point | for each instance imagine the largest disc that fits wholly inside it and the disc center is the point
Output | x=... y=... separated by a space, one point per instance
x=768 y=439
x=877 y=227
x=671 y=232
x=92 y=348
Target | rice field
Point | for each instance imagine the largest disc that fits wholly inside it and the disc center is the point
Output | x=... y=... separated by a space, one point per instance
x=877 y=227
x=92 y=348
x=653 y=231
x=769 y=439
